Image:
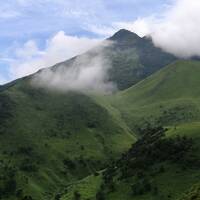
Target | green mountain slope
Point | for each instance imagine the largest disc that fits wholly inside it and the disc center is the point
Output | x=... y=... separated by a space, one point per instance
x=153 y=168
x=160 y=166
x=170 y=96
x=134 y=58
x=50 y=139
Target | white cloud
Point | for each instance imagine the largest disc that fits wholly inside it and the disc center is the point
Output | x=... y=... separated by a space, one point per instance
x=176 y=30
x=87 y=73
x=141 y=26
x=29 y=58
x=28 y=50
x=179 y=32
x=104 y=31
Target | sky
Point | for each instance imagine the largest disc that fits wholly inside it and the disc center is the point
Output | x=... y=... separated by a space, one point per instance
x=39 y=33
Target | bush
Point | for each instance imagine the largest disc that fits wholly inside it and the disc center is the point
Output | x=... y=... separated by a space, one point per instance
x=141 y=187
x=69 y=164
x=28 y=166
x=100 y=195
x=77 y=195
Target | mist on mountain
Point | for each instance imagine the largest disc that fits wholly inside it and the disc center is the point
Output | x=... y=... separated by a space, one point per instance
x=87 y=73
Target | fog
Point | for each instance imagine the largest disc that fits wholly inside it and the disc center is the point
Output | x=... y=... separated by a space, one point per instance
x=176 y=29
x=87 y=73
x=179 y=32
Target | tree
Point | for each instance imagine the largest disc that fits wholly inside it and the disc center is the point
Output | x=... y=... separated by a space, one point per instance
x=100 y=195
x=77 y=195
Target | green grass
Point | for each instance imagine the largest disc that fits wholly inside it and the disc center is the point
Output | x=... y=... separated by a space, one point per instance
x=45 y=128
x=171 y=184
x=87 y=188
x=170 y=96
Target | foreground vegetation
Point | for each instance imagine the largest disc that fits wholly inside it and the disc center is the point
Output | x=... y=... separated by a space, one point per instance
x=163 y=164
x=49 y=140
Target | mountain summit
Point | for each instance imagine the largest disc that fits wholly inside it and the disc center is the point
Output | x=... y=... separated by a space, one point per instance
x=124 y=35
x=131 y=58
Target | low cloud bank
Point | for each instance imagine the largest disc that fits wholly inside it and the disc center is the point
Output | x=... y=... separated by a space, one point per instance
x=30 y=58
x=176 y=29
x=87 y=73
x=179 y=32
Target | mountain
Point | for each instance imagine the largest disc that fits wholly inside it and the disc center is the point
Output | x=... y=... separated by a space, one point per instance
x=170 y=96
x=164 y=163
x=130 y=57
x=49 y=139
x=158 y=166
x=57 y=144
x=134 y=58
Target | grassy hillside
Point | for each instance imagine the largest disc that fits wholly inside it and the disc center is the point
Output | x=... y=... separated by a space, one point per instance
x=173 y=177
x=170 y=96
x=161 y=166
x=50 y=139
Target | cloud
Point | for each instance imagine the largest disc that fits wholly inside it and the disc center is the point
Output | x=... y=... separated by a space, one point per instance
x=101 y=30
x=87 y=73
x=179 y=32
x=30 y=58
x=141 y=26
x=176 y=30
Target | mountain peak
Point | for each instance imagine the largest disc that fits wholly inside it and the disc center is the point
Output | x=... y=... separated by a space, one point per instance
x=124 y=34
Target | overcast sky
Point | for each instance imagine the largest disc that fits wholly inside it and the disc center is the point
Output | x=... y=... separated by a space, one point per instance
x=40 y=33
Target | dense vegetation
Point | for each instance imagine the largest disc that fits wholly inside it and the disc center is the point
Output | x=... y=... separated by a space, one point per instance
x=170 y=96
x=157 y=166
x=50 y=139
x=192 y=194
x=153 y=149
x=65 y=146
x=160 y=165
x=134 y=58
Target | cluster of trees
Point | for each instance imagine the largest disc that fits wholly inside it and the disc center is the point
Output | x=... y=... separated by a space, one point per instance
x=192 y=194
x=141 y=187
x=152 y=149
x=8 y=184
x=77 y=195
x=28 y=165
x=69 y=164
x=30 y=160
